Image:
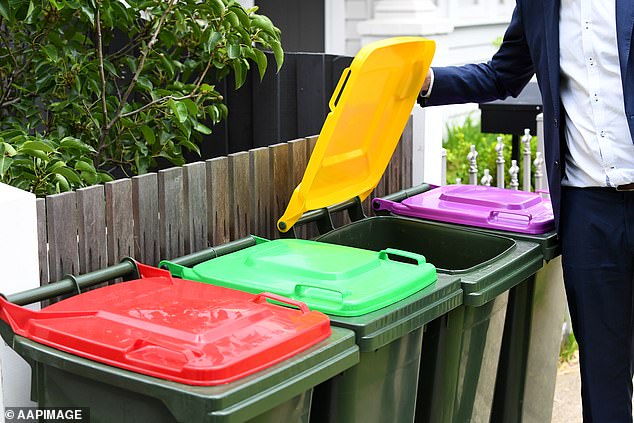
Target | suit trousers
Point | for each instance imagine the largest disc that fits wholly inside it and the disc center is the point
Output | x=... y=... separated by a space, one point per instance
x=597 y=238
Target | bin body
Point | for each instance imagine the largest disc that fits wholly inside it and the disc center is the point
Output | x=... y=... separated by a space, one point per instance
x=532 y=334
x=163 y=349
x=461 y=349
x=525 y=387
x=382 y=387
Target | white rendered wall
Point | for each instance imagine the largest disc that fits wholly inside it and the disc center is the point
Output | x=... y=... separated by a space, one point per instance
x=18 y=272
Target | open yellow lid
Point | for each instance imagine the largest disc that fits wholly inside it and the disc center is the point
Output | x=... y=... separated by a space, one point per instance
x=368 y=112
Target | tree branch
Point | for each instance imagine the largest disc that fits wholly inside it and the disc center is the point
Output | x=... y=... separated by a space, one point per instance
x=135 y=78
x=102 y=72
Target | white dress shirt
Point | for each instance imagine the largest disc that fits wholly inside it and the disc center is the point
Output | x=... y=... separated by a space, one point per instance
x=600 y=146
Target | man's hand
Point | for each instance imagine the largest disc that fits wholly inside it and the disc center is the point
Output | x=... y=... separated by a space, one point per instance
x=426 y=83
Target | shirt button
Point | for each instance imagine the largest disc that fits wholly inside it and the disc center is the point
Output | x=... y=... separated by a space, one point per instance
x=556 y=163
x=556 y=123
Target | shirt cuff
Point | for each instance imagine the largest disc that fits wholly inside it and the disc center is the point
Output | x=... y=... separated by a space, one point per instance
x=431 y=85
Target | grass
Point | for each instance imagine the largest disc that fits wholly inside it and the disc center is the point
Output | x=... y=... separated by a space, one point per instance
x=568 y=349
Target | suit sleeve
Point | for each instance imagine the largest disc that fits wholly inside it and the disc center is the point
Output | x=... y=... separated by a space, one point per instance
x=506 y=74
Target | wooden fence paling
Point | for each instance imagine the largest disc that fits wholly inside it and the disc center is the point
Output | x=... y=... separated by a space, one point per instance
x=298 y=158
x=40 y=207
x=218 y=195
x=119 y=220
x=171 y=212
x=145 y=210
x=91 y=222
x=240 y=201
x=280 y=191
x=61 y=228
x=407 y=146
x=311 y=228
x=195 y=206
x=261 y=184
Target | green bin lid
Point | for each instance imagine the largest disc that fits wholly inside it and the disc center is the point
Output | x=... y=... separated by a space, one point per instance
x=334 y=279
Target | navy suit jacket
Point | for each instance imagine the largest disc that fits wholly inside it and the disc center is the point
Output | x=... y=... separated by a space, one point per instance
x=531 y=46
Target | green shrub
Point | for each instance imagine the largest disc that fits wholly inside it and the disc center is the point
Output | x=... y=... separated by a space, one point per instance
x=458 y=145
x=88 y=86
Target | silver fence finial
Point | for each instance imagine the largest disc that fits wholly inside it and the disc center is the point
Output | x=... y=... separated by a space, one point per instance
x=487 y=178
x=526 y=141
x=499 y=147
x=538 y=163
x=514 y=171
x=473 y=166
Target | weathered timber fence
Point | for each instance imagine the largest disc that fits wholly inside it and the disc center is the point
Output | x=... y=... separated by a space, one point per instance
x=184 y=209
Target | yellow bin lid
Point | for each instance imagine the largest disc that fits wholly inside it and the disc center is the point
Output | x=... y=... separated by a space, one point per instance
x=368 y=112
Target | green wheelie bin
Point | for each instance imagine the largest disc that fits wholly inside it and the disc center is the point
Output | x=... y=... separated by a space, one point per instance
x=461 y=350
x=159 y=349
x=386 y=298
x=532 y=336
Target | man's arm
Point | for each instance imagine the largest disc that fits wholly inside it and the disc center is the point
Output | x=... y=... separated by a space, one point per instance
x=504 y=75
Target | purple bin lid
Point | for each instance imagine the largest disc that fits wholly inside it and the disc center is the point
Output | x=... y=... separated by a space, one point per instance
x=481 y=206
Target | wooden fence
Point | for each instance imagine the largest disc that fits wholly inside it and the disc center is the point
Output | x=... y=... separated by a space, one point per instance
x=183 y=209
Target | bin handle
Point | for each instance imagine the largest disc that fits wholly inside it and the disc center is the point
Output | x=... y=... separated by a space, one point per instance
x=263 y=296
x=334 y=100
x=496 y=213
x=300 y=289
x=190 y=354
x=18 y=317
x=418 y=258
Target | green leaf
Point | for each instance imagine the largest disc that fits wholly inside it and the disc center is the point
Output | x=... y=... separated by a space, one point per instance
x=5 y=164
x=232 y=18
x=278 y=53
x=190 y=146
x=233 y=50
x=5 y=161
x=168 y=65
x=242 y=15
x=240 y=73
x=261 y=61
x=110 y=68
x=179 y=109
x=145 y=83
x=90 y=177
x=4 y=9
x=37 y=145
x=213 y=41
x=56 y=165
x=199 y=127
x=51 y=52
x=85 y=166
x=63 y=184
x=104 y=177
x=263 y=23
x=148 y=133
x=69 y=174
x=6 y=148
x=34 y=153
x=217 y=6
x=89 y=13
x=192 y=108
x=71 y=143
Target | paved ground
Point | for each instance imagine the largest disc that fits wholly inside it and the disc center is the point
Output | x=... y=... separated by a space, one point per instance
x=567 y=405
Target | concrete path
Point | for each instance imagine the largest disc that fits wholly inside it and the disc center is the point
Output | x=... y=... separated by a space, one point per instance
x=567 y=404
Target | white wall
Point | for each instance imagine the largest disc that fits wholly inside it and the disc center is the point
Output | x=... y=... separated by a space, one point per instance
x=19 y=270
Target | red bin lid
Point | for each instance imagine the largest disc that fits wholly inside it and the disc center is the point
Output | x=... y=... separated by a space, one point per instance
x=184 y=331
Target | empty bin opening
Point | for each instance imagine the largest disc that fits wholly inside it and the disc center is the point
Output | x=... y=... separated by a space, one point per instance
x=450 y=249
